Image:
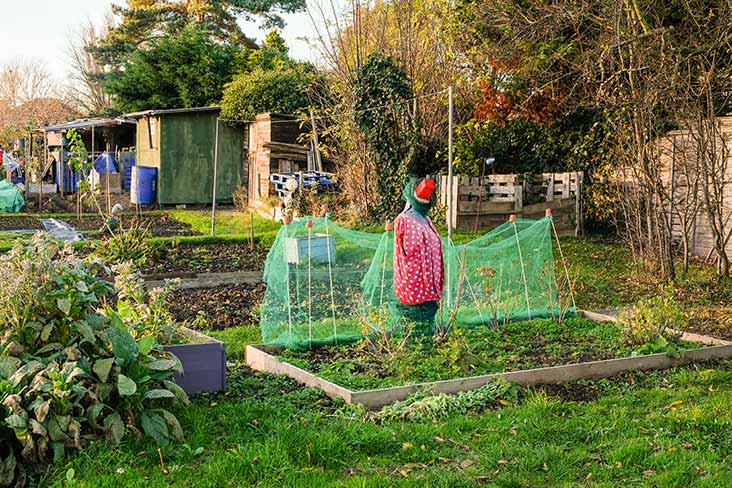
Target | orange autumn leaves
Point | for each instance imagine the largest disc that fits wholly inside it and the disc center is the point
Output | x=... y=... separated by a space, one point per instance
x=499 y=104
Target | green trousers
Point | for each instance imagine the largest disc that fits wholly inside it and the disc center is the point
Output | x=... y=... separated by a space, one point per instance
x=421 y=315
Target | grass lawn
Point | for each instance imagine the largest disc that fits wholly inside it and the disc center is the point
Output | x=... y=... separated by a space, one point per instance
x=669 y=428
x=660 y=429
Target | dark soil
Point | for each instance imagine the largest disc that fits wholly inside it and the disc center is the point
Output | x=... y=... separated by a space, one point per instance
x=221 y=307
x=713 y=322
x=160 y=225
x=207 y=258
x=19 y=223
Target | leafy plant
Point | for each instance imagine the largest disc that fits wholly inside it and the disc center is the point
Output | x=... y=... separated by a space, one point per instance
x=425 y=407
x=70 y=370
x=650 y=319
x=143 y=314
x=126 y=245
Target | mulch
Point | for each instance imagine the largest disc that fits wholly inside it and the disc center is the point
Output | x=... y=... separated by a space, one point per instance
x=221 y=257
x=19 y=223
x=222 y=307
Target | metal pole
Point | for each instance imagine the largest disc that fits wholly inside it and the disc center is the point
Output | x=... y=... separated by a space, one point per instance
x=216 y=168
x=450 y=209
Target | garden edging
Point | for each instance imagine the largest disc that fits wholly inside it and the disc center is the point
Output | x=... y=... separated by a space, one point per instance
x=260 y=358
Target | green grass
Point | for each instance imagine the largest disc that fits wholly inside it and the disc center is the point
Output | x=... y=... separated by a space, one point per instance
x=229 y=224
x=660 y=429
x=236 y=338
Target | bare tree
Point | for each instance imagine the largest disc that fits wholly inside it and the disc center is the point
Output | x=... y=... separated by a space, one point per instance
x=86 y=80
x=23 y=81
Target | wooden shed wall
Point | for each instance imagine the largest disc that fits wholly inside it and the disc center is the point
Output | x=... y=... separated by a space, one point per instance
x=146 y=155
x=677 y=154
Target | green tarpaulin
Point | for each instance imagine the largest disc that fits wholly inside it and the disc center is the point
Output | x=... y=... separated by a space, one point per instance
x=11 y=199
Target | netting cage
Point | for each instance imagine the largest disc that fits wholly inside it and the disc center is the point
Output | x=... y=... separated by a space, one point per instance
x=330 y=285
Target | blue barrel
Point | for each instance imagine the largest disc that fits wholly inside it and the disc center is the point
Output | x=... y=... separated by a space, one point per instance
x=143 y=185
x=127 y=180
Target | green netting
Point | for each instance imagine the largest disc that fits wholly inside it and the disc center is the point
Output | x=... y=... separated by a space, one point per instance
x=327 y=284
x=11 y=199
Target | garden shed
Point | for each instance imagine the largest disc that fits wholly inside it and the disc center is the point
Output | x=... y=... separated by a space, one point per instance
x=181 y=144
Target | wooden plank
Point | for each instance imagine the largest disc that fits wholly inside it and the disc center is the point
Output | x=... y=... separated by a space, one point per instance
x=210 y=280
x=259 y=360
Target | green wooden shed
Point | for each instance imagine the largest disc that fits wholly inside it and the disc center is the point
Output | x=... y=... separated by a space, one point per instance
x=181 y=144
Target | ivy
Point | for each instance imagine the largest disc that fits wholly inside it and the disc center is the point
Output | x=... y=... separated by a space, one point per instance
x=383 y=95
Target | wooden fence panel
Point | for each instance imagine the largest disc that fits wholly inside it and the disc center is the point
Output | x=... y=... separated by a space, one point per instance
x=489 y=201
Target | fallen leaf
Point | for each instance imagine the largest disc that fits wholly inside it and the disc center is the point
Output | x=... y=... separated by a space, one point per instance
x=589 y=476
x=675 y=404
x=502 y=462
x=466 y=464
x=545 y=467
x=618 y=464
x=406 y=445
x=482 y=479
x=649 y=472
x=708 y=371
x=712 y=389
x=439 y=439
x=444 y=460
x=505 y=403
x=688 y=445
x=404 y=473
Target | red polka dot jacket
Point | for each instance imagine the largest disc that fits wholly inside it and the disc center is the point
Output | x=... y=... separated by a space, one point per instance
x=418 y=266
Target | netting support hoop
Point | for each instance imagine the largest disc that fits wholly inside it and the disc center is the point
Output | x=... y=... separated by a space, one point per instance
x=383 y=267
x=564 y=263
x=523 y=272
x=330 y=280
x=289 y=298
x=310 y=292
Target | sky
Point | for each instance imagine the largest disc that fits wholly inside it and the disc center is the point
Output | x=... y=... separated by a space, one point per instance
x=43 y=30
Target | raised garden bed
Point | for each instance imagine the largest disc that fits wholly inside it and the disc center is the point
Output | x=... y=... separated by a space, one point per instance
x=220 y=307
x=207 y=258
x=204 y=363
x=599 y=357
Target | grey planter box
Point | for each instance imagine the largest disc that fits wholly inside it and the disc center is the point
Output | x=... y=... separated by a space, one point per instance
x=321 y=247
x=204 y=364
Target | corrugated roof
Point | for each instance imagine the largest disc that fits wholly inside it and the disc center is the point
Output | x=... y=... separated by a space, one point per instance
x=152 y=113
x=87 y=124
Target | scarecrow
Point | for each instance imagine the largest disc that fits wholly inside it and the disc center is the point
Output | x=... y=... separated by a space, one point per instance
x=418 y=265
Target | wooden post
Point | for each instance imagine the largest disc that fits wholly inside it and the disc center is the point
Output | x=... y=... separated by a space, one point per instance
x=550 y=188
x=315 y=142
x=578 y=205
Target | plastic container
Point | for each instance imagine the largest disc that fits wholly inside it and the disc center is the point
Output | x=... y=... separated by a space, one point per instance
x=143 y=187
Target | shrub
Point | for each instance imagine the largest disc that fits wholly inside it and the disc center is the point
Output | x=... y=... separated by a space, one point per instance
x=70 y=370
x=282 y=90
x=648 y=320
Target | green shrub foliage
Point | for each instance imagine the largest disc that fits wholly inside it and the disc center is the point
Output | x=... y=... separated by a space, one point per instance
x=382 y=113
x=70 y=369
x=281 y=90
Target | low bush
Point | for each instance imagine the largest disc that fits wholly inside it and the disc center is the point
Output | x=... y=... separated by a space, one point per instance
x=649 y=320
x=70 y=369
